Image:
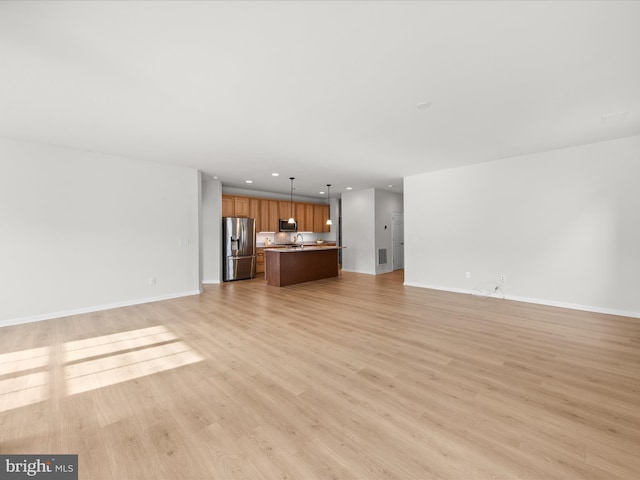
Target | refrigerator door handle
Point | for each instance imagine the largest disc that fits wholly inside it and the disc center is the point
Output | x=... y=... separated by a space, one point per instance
x=245 y=240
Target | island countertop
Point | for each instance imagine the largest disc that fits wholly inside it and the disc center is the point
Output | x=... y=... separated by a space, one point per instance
x=305 y=248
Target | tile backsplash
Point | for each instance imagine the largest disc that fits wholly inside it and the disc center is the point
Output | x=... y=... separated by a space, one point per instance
x=289 y=237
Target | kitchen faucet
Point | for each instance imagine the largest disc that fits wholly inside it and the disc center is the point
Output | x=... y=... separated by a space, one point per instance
x=299 y=236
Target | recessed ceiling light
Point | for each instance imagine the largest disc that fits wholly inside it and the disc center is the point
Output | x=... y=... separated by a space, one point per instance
x=349 y=188
x=423 y=105
x=275 y=174
x=321 y=193
x=248 y=181
x=215 y=177
x=390 y=186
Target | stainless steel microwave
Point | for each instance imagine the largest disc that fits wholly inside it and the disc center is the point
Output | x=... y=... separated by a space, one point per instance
x=285 y=226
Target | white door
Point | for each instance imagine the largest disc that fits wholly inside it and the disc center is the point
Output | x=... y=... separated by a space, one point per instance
x=397 y=235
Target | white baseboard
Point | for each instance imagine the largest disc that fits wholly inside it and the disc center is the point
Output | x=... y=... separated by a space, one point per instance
x=550 y=303
x=79 y=311
x=437 y=287
x=575 y=306
x=357 y=271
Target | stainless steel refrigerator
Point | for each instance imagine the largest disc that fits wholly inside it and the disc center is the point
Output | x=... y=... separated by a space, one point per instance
x=238 y=248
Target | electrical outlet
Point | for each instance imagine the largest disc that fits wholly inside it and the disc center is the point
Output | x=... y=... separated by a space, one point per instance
x=468 y=274
x=152 y=280
x=503 y=278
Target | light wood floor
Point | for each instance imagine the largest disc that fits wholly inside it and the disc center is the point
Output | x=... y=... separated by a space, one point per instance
x=354 y=377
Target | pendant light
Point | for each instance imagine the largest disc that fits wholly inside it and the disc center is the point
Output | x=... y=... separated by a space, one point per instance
x=291 y=219
x=329 y=222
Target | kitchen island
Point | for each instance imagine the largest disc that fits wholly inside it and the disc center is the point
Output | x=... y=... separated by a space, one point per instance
x=291 y=265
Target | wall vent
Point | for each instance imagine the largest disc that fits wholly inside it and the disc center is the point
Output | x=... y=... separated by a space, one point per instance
x=382 y=256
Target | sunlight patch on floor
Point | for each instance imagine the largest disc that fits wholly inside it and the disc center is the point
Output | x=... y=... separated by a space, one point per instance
x=24 y=390
x=94 y=347
x=21 y=360
x=91 y=363
x=150 y=355
x=19 y=390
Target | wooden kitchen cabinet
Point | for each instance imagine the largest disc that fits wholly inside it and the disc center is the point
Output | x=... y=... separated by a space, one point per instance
x=264 y=216
x=325 y=217
x=259 y=260
x=300 y=217
x=254 y=212
x=311 y=217
x=308 y=217
x=274 y=217
x=227 y=205
x=241 y=206
x=284 y=210
x=233 y=206
x=317 y=218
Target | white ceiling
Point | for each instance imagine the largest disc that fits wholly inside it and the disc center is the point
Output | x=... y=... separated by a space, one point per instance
x=326 y=92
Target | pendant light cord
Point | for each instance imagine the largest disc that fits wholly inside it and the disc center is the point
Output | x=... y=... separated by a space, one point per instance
x=291 y=219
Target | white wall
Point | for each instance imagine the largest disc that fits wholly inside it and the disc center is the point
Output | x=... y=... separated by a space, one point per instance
x=81 y=231
x=358 y=231
x=211 y=231
x=334 y=212
x=386 y=204
x=562 y=225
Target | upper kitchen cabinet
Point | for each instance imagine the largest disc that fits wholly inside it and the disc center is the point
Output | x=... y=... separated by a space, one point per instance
x=284 y=210
x=268 y=216
x=227 y=206
x=308 y=217
x=325 y=217
x=268 y=213
x=264 y=216
x=320 y=217
x=300 y=217
x=233 y=206
x=241 y=206
x=254 y=212
x=274 y=217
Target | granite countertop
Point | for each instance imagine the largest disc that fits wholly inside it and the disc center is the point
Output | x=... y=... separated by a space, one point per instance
x=306 y=248
x=306 y=244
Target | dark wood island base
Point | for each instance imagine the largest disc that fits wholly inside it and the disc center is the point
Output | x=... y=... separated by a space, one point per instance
x=288 y=266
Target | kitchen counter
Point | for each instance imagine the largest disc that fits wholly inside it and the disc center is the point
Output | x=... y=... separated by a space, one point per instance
x=291 y=245
x=291 y=265
x=288 y=249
